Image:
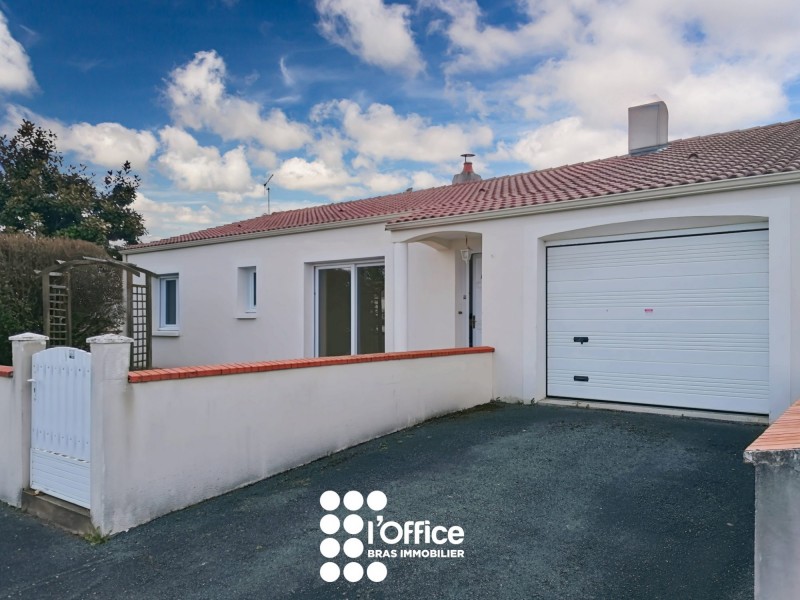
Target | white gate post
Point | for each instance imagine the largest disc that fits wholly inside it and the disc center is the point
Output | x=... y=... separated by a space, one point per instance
x=110 y=364
x=15 y=420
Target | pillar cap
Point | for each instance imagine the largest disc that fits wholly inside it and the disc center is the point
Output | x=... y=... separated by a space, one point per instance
x=28 y=337
x=109 y=338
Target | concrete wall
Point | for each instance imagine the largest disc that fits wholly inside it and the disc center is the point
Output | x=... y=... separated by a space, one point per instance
x=15 y=418
x=776 y=458
x=9 y=422
x=777 y=525
x=163 y=445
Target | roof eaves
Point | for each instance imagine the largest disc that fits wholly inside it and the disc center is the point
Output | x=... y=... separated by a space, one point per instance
x=262 y=234
x=693 y=189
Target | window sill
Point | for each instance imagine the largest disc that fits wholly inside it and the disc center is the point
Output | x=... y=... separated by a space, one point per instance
x=166 y=333
x=246 y=315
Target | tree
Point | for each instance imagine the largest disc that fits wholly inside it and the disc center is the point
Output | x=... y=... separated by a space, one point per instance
x=39 y=196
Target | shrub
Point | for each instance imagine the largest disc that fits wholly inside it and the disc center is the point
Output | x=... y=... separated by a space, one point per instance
x=96 y=290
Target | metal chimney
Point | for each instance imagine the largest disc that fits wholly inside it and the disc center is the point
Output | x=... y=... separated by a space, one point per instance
x=647 y=127
x=467 y=174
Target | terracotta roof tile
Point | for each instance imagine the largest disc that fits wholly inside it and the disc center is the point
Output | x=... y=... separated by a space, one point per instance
x=733 y=155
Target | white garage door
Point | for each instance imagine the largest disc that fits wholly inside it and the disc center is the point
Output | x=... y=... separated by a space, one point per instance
x=677 y=320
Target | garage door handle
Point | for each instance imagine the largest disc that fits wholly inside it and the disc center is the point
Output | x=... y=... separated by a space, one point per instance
x=581 y=378
x=580 y=339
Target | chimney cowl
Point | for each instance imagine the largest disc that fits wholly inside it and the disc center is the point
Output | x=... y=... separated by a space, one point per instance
x=647 y=127
x=467 y=173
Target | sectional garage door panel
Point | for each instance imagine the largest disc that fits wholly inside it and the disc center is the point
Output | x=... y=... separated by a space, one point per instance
x=674 y=321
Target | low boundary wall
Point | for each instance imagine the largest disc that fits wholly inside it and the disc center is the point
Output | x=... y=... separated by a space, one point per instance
x=168 y=438
x=15 y=417
x=776 y=458
x=8 y=425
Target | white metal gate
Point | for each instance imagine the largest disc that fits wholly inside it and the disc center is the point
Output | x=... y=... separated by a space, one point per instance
x=60 y=424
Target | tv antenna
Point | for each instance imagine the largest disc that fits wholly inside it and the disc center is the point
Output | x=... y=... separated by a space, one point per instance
x=266 y=188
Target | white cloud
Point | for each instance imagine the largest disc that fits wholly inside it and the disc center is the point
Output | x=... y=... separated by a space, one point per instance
x=316 y=176
x=288 y=78
x=169 y=218
x=377 y=33
x=423 y=180
x=566 y=141
x=718 y=64
x=548 y=27
x=263 y=158
x=15 y=66
x=199 y=100
x=104 y=144
x=109 y=144
x=197 y=168
x=729 y=97
x=331 y=147
x=380 y=139
x=379 y=133
x=386 y=183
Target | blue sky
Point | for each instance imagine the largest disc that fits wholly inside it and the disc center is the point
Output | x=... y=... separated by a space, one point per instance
x=343 y=99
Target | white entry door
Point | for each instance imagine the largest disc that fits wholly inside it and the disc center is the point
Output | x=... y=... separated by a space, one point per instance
x=674 y=320
x=60 y=424
x=476 y=301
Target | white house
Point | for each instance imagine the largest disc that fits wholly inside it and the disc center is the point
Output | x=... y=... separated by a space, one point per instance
x=669 y=276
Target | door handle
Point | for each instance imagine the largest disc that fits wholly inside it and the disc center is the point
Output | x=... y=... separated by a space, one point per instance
x=581 y=339
x=472 y=321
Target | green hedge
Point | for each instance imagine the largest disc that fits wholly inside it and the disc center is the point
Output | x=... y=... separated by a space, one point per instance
x=96 y=290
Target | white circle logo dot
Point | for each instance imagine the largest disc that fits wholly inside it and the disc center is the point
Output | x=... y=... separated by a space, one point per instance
x=353 y=524
x=353 y=571
x=353 y=548
x=329 y=548
x=353 y=500
x=329 y=524
x=329 y=500
x=329 y=572
x=376 y=501
x=376 y=572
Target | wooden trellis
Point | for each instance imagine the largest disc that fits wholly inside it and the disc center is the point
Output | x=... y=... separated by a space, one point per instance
x=57 y=305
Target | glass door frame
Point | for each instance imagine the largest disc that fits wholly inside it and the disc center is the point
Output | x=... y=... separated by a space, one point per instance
x=353 y=267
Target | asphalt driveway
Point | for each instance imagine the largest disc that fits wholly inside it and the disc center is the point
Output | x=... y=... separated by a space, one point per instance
x=554 y=503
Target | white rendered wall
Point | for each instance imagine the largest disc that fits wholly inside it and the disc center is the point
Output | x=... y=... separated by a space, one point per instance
x=210 y=331
x=514 y=276
x=513 y=284
x=213 y=330
x=170 y=444
x=15 y=418
x=431 y=281
x=9 y=436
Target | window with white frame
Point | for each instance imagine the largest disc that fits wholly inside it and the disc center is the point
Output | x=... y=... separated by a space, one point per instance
x=350 y=308
x=248 y=291
x=169 y=316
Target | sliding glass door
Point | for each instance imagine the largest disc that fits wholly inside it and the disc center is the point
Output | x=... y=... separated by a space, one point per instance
x=350 y=309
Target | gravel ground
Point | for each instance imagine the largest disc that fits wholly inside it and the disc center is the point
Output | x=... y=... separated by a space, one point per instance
x=554 y=502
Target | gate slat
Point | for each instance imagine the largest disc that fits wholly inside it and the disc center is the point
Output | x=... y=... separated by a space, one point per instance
x=60 y=424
